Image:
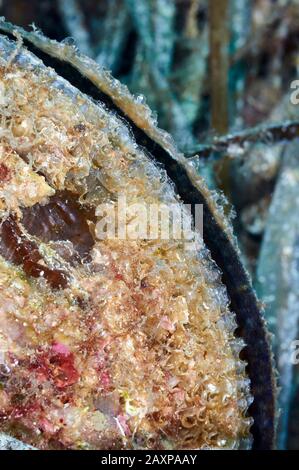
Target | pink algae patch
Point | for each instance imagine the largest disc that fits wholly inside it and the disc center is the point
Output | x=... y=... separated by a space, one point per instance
x=59 y=348
x=56 y=365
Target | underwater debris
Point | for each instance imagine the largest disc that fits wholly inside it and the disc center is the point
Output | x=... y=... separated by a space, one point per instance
x=9 y=443
x=270 y=134
x=278 y=278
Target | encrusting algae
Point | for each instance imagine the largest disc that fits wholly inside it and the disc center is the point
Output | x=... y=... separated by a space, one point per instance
x=105 y=343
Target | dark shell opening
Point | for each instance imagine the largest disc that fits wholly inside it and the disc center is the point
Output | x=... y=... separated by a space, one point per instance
x=63 y=218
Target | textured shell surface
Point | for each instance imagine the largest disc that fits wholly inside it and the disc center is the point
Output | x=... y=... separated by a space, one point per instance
x=113 y=343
